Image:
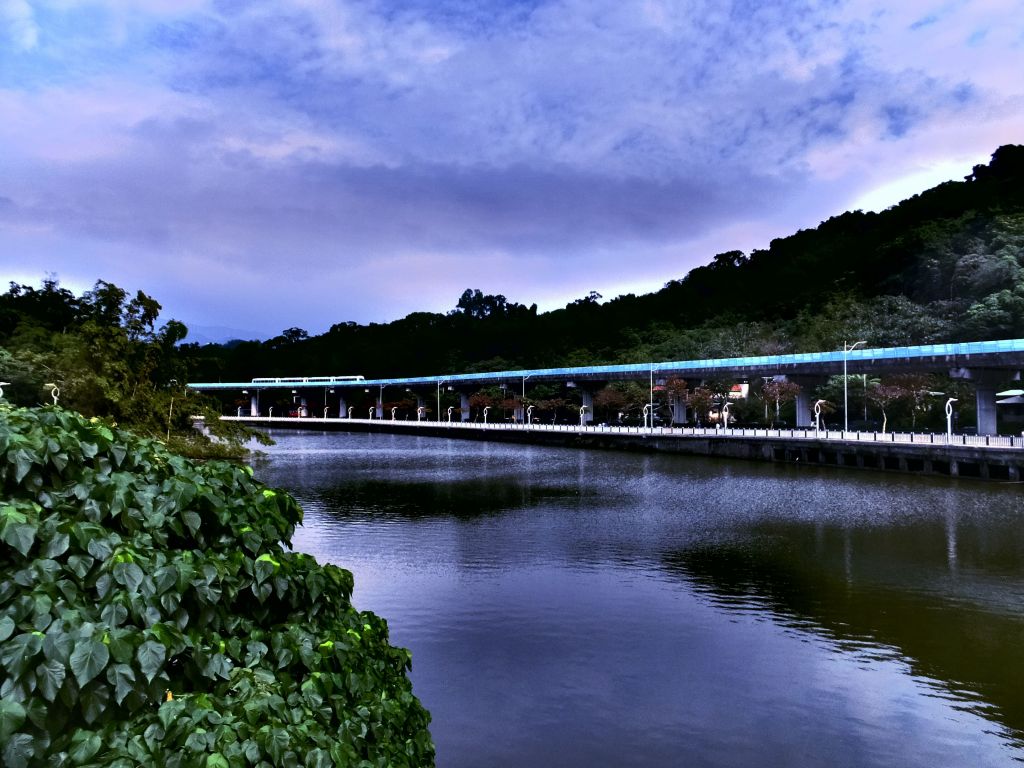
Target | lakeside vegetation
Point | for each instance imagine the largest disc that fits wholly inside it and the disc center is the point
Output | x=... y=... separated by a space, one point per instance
x=150 y=614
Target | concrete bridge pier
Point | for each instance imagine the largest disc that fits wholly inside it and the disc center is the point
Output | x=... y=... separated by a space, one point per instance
x=678 y=407
x=342 y=407
x=804 y=400
x=587 y=400
x=464 y=405
x=254 y=404
x=986 y=382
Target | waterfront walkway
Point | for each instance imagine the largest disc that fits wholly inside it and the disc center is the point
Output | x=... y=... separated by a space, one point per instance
x=830 y=435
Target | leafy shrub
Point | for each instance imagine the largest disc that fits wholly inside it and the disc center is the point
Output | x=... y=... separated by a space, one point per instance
x=149 y=615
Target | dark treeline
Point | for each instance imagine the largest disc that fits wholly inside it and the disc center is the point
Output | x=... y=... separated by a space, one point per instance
x=102 y=354
x=945 y=265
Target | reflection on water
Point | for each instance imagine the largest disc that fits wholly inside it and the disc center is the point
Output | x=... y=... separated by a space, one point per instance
x=589 y=608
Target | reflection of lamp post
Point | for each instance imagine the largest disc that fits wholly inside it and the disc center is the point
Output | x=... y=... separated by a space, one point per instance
x=817 y=415
x=847 y=348
x=949 y=419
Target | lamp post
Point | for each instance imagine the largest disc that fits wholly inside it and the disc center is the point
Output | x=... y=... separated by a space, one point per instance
x=847 y=348
x=2 y=385
x=394 y=410
x=350 y=409
x=486 y=409
x=170 y=409
x=949 y=419
x=523 y=404
x=725 y=416
x=583 y=411
x=817 y=415
x=439 y=383
x=529 y=414
x=420 y=411
x=652 y=398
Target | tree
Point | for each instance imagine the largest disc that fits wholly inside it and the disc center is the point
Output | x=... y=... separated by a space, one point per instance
x=701 y=400
x=884 y=395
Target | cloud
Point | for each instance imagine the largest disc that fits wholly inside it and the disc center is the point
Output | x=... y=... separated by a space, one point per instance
x=543 y=147
x=18 y=25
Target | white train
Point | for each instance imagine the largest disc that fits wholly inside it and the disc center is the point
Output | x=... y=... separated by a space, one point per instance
x=307 y=379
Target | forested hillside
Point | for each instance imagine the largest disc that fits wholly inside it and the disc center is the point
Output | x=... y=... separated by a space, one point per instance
x=945 y=265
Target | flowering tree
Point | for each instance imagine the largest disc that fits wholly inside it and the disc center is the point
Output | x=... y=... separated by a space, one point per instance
x=779 y=391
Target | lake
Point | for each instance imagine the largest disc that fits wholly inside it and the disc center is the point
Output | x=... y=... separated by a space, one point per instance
x=575 y=608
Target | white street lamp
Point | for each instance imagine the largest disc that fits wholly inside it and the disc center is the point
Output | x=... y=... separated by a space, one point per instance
x=523 y=403
x=847 y=348
x=817 y=415
x=647 y=411
x=373 y=410
x=350 y=409
x=55 y=392
x=450 y=409
x=486 y=409
x=420 y=413
x=949 y=419
x=394 y=409
x=2 y=385
x=725 y=416
x=529 y=415
x=583 y=411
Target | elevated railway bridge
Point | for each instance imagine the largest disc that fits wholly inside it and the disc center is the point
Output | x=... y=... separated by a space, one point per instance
x=987 y=365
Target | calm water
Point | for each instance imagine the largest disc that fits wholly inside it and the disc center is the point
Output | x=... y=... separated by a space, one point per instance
x=569 y=608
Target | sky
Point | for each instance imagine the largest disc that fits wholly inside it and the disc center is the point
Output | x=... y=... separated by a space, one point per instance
x=263 y=165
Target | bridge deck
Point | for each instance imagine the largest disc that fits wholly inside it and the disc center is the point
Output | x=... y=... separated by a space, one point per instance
x=1007 y=354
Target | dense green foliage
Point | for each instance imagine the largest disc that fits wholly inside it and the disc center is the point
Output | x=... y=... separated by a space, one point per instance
x=945 y=265
x=105 y=355
x=150 y=615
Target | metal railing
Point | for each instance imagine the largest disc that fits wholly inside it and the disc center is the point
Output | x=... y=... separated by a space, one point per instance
x=808 y=433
